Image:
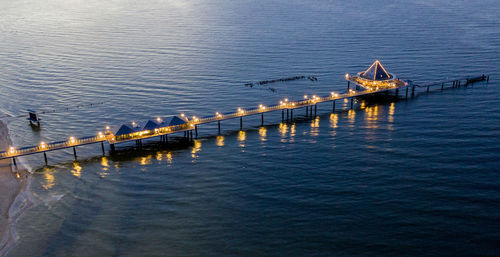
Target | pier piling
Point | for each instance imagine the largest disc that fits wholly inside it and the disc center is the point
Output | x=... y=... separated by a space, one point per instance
x=102 y=147
x=406 y=96
x=45 y=157
x=315 y=109
x=196 y=131
x=74 y=152
x=262 y=119
x=333 y=106
x=282 y=115
x=352 y=101
x=241 y=123
x=291 y=114
x=14 y=161
x=218 y=125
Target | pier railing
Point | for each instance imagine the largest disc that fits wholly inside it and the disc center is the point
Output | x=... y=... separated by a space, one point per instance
x=191 y=125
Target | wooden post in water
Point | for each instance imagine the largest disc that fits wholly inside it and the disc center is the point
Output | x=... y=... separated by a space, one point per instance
x=282 y=115
x=218 y=125
x=348 y=85
x=412 y=91
x=310 y=111
x=241 y=123
x=291 y=114
x=406 y=93
x=352 y=100
x=287 y=114
x=397 y=92
x=102 y=147
x=74 y=152
x=307 y=110
x=333 y=106
x=45 y=157
x=14 y=161
x=315 y=109
x=196 y=130
x=262 y=119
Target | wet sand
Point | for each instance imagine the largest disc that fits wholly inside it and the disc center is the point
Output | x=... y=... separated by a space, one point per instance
x=13 y=183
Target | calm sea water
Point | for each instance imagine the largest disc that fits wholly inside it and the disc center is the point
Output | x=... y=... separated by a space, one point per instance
x=416 y=177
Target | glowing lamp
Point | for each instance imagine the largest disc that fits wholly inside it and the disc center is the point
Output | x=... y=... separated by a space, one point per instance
x=11 y=149
x=72 y=140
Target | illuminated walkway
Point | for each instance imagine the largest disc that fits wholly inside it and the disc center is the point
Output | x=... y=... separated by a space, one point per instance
x=286 y=106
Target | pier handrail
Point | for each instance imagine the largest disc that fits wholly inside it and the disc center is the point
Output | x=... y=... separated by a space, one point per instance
x=191 y=124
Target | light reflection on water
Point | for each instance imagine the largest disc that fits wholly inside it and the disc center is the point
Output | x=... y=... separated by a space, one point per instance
x=263 y=133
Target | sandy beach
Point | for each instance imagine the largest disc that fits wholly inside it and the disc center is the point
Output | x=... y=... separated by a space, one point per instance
x=13 y=183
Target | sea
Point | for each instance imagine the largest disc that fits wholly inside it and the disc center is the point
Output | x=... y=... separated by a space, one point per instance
x=408 y=177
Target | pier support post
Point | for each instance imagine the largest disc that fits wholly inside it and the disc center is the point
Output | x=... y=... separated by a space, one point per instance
x=282 y=115
x=196 y=131
x=291 y=114
x=287 y=114
x=14 y=161
x=307 y=110
x=396 y=93
x=102 y=147
x=406 y=96
x=352 y=101
x=112 y=147
x=262 y=119
x=74 y=152
x=45 y=157
x=333 y=106
x=241 y=123
x=191 y=134
x=348 y=85
x=315 y=109
x=412 y=91
x=218 y=125
x=310 y=111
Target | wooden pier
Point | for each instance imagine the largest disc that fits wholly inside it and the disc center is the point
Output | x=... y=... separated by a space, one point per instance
x=286 y=106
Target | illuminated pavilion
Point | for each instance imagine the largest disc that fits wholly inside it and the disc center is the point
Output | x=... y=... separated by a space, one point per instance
x=376 y=77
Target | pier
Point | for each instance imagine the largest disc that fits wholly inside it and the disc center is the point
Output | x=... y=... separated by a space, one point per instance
x=286 y=106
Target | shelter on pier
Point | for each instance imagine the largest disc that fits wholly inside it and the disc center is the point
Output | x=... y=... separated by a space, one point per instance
x=175 y=121
x=376 y=77
x=124 y=129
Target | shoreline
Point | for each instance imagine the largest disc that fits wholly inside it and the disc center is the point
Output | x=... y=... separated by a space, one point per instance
x=14 y=195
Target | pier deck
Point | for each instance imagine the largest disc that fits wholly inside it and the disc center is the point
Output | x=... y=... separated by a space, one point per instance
x=193 y=124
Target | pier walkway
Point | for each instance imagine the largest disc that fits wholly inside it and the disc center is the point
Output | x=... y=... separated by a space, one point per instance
x=286 y=106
